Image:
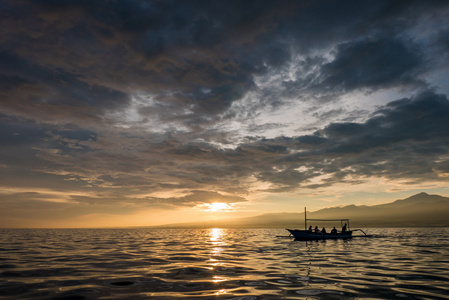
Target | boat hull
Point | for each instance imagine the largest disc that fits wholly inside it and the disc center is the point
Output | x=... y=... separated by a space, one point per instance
x=306 y=235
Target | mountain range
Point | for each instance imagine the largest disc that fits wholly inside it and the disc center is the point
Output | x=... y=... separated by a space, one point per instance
x=420 y=210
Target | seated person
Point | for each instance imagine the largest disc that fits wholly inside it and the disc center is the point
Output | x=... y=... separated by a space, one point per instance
x=323 y=230
x=317 y=230
x=334 y=230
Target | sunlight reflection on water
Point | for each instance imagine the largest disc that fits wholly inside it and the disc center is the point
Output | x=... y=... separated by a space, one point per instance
x=221 y=264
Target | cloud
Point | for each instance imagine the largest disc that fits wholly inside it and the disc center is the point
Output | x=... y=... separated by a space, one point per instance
x=195 y=198
x=50 y=90
x=193 y=57
x=405 y=139
x=340 y=152
x=373 y=64
x=175 y=103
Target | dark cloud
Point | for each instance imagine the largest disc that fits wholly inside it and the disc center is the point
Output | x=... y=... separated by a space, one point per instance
x=414 y=128
x=95 y=51
x=157 y=45
x=20 y=132
x=373 y=64
x=57 y=87
x=443 y=40
x=406 y=139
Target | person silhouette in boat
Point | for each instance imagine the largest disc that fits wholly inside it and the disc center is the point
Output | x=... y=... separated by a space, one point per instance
x=317 y=230
x=334 y=230
x=344 y=228
x=323 y=231
x=310 y=228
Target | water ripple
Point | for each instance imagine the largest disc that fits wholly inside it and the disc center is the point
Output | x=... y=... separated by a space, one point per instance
x=221 y=264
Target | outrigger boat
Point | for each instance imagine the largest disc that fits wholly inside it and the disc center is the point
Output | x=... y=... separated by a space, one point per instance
x=307 y=235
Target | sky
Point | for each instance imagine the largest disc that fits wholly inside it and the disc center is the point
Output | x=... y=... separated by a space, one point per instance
x=140 y=113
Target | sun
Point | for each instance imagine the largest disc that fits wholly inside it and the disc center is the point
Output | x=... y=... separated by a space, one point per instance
x=217 y=206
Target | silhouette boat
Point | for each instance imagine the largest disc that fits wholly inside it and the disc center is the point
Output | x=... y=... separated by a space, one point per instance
x=306 y=235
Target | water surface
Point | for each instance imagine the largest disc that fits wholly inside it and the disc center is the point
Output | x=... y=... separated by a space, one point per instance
x=245 y=264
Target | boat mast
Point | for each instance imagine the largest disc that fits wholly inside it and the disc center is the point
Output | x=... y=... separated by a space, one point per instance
x=305 y=218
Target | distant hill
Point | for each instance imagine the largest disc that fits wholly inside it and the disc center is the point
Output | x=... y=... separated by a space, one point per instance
x=419 y=210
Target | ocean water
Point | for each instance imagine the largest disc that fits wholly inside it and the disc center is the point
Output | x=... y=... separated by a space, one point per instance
x=244 y=264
